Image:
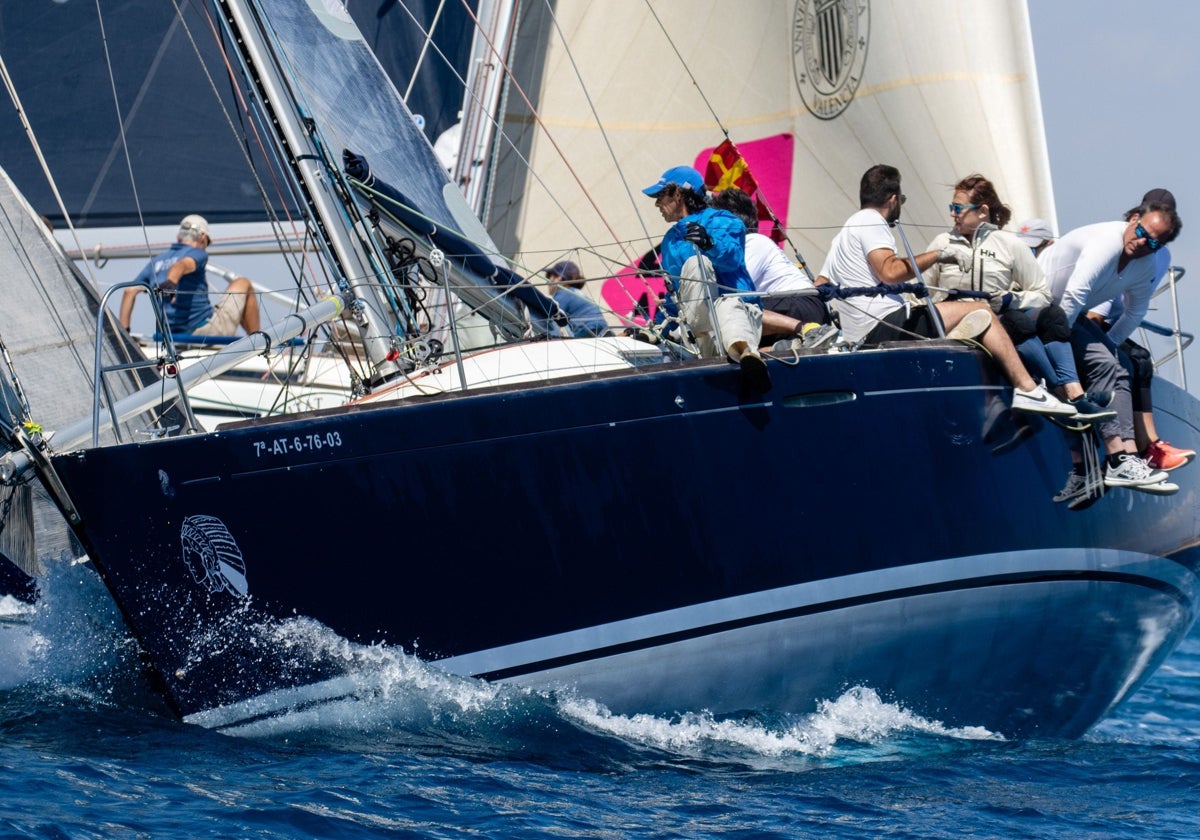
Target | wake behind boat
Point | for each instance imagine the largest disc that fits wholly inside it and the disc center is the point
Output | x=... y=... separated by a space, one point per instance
x=602 y=515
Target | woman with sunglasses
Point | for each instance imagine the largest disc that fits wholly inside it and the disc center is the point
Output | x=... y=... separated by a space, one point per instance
x=1005 y=268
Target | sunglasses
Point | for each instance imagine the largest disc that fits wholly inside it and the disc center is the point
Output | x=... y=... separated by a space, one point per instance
x=1151 y=242
x=956 y=209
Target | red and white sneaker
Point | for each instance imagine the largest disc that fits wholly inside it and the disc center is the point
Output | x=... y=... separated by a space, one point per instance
x=1163 y=456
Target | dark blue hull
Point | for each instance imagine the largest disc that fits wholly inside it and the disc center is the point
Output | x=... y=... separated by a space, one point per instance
x=659 y=541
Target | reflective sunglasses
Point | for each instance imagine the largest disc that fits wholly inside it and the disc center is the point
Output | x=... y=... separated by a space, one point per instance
x=1140 y=233
x=956 y=209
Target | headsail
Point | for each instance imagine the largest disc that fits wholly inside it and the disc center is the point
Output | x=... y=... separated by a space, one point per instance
x=813 y=92
x=48 y=325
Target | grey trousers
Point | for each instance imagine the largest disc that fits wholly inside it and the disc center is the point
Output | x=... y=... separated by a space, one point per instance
x=1099 y=368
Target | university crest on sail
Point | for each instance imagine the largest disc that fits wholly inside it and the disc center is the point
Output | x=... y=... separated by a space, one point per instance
x=829 y=52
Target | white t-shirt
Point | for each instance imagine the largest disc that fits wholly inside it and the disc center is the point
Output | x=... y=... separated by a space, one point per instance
x=1081 y=269
x=847 y=266
x=773 y=273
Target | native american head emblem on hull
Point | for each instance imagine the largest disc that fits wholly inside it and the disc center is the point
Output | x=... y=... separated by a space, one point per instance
x=212 y=555
x=829 y=52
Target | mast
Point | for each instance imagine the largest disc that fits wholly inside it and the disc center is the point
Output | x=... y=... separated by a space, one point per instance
x=340 y=226
x=486 y=79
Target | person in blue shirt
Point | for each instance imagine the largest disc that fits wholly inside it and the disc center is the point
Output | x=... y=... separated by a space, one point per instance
x=704 y=256
x=179 y=272
x=564 y=287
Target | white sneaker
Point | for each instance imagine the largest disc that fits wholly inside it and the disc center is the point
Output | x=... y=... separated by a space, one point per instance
x=974 y=324
x=1041 y=401
x=1075 y=485
x=1132 y=471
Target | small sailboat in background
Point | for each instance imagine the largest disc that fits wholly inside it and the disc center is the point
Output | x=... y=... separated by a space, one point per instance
x=584 y=514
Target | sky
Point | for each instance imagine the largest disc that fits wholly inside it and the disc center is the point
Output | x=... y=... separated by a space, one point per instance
x=1118 y=84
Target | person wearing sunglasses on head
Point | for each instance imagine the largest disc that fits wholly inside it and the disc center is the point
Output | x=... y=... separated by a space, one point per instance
x=1085 y=268
x=1140 y=364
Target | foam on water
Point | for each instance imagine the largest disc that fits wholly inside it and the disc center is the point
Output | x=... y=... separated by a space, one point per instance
x=75 y=644
x=73 y=641
x=73 y=647
x=858 y=716
x=390 y=695
x=20 y=644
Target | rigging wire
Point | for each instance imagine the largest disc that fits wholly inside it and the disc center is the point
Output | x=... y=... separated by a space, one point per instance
x=514 y=84
x=412 y=79
x=492 y=118
x=305 y=265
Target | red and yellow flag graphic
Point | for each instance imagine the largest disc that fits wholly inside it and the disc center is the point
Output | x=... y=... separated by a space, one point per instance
x=727 y=168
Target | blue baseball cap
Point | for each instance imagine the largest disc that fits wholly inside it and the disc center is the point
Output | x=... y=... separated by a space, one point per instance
x=684 y=176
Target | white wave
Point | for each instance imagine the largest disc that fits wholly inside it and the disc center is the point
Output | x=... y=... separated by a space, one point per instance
x=859 y=716
x=384 y=687
x=73 y=640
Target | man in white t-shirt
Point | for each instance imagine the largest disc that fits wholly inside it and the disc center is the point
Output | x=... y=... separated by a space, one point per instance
x=791 y=305
x=863 y=255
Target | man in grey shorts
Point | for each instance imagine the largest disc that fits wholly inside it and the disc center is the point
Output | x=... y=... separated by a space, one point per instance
x=179 y=274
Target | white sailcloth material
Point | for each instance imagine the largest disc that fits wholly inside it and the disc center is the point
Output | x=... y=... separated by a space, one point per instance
x=48 y=323
x=848 y=85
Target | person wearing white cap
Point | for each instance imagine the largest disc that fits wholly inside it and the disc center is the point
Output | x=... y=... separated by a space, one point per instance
x=1036 y=234
x=179 y=272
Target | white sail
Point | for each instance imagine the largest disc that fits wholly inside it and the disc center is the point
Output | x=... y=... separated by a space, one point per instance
x=813 y=92
x=48 y=326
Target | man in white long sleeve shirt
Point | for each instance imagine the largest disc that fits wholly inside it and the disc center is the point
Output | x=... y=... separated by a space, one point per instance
x=1085 y=268
x=1157 y=452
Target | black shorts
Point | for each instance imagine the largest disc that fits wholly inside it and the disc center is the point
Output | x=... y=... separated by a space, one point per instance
x=805 y=308
x=901 y=324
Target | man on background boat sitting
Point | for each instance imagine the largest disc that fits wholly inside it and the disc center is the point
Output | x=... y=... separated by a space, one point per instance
x=704 y=253
x=863 y=255
x=1086 y=268
x=179 y=272
x=565 y=286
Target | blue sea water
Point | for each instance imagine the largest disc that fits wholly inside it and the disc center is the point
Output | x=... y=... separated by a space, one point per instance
x=89 y=750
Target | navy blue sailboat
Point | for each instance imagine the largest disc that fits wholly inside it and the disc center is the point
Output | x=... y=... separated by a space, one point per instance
x=494 y=510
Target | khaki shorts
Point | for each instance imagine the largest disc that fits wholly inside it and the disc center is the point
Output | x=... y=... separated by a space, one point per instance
x=226 y=317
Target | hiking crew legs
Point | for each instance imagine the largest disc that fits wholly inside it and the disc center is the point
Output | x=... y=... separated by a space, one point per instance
x=1096 y=357
x=737 y=321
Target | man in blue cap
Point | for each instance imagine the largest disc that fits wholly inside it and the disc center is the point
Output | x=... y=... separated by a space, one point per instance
x=704 y=255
